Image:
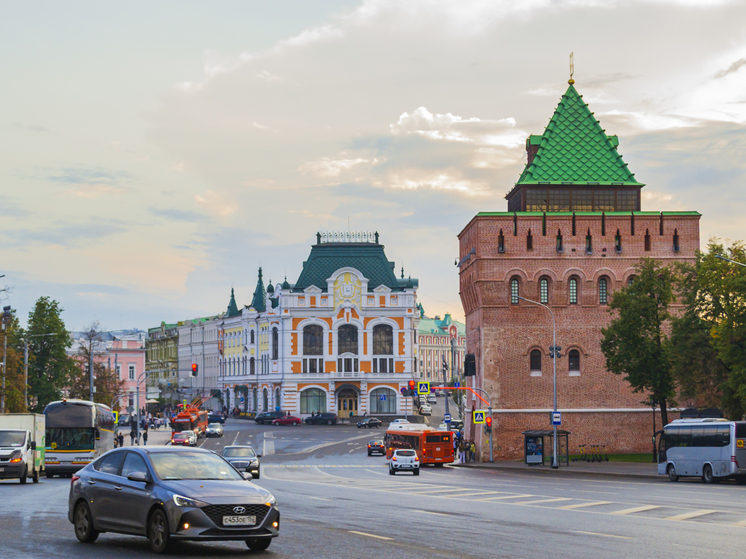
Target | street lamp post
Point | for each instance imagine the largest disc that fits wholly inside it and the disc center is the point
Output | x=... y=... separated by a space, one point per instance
x=554 y=352
x=729 y=260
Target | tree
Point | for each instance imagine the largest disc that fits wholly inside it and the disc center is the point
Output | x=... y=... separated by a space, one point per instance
x=105 y=380
x=49 y=364
x=635 y=343
x=15 y=383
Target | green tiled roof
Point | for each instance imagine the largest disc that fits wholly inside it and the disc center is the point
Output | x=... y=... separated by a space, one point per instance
x=232 y=307
x=575 y=150
x=439 y=326
x=259 y=302
x=369 y=258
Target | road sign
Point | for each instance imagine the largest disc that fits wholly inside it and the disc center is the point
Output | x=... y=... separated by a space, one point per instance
x=240 y=398
x=479 y=416
x=457 y=385
x=447 y=418
x=556 y=418
x=383 y=397
x=116 y=416
x=423 y=388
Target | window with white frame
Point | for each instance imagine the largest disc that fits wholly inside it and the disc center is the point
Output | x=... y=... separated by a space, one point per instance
x=131 y=368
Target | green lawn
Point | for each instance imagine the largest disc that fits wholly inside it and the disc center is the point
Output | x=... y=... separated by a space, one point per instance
x=644 y=458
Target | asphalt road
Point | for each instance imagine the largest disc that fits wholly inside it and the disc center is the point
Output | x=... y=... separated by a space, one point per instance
x=337 y=502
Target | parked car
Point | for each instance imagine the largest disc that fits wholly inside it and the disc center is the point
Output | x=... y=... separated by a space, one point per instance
x=376 y=446
x=398 y=421
x=124 y=420
x=425 y=409
x=431 y=399
x=243 y=458
x=268 y=417
x=170 y=494
x=322 y=419
x=369 y=423
x=404 y=459
x=456 y=424
x=287 y=420
x=214 y=430
x=216 y=418
x=184 y=438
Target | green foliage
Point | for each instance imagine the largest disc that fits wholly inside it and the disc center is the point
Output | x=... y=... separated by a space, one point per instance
x=15 y=384
x=105 y=380
x=635 y=343
x=49 y=365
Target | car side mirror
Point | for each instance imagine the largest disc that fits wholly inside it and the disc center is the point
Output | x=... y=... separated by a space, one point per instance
x=142 y=477
x=247 y=476
x=258 y=455
x=33 y=445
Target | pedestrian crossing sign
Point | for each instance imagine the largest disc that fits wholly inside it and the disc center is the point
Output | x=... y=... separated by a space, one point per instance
x=478 y=416
x=423 y=388
x=116 y=417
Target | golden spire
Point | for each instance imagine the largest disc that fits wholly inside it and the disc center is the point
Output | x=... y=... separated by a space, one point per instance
x=572 y=68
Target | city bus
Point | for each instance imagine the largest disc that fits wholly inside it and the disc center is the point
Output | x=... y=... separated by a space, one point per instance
x=432 y=446
x=190 y=419
x=78 y=432
x=712 y=449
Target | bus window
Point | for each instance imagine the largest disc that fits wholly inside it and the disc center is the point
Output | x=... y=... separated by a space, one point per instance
x=723 y=435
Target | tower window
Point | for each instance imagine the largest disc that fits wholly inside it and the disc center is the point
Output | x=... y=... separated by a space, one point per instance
x=588 y=243
x=574 y=360
x=618 y=242
x=514 y=291
x=544 y=290
x=573 y=291
x=500 y=242
x=603 y=291
x=676 y=240
x=529 y=241
x=535 y=364
x=647 y=240
x=559 y=241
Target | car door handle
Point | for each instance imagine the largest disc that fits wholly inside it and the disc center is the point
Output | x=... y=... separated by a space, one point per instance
x=118 y=487
x=91 y=482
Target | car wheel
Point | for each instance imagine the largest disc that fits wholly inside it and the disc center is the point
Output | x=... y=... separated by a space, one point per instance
x=391 y=471
x=707 y=476
x=417 y=472
x=35 y=476
x=258 y=544
x=84 y=530
x=158 y=532
x=24 y=476
x=671 y=471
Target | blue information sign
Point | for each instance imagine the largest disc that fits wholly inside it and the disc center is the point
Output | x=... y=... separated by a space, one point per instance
x=383 y=397
x=447 y=418
x=556 y=418
x=457 y=385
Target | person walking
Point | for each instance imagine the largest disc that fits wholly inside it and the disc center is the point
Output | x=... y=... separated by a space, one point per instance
x=472 y=452
x=120 y=438
x=145 y=438
x=132 y=436
x=462 y=452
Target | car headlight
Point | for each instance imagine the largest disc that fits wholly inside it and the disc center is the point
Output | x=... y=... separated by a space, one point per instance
x=271 y=501
x=181 y=501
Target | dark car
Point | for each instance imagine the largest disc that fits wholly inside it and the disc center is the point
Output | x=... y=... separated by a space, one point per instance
x=215 y=418
x=376 y=446
x=244 y=458
x=268 y=417
x=322 y=419
x=369 y=423
x=168 y=494
x=456 y=425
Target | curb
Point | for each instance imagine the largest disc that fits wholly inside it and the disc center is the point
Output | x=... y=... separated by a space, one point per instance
x=560 y=471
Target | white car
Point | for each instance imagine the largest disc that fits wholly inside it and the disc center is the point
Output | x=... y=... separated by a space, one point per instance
x=398 y=422
x=443 y=427
x=214 y=430
x=425 y=409
x=432 y=399
x=404 y=460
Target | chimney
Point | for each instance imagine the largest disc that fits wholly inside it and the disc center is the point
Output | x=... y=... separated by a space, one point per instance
x=532 y=146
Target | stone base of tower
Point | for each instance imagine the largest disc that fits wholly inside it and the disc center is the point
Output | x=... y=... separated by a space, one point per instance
x=621 y=431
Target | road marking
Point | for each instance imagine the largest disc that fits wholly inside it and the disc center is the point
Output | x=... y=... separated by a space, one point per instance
x=635 y=509
x=321 y=499
x=469 y=494
x=432 y=512
x=581 y=505
x=688 y=515
x=370 y=535
x=544 y=501
x=420 y=490
x=507 y=497
x=603 y=535
x=742 y=523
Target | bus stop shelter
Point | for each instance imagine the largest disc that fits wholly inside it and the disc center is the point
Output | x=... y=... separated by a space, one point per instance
x=536 y=452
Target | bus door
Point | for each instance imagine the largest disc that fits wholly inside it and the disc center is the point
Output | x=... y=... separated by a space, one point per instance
x=660 y=436
x=740 y=446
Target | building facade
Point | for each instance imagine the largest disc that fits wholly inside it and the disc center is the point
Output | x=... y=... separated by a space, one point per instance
x=342 y=339
x=440 y=342
x=573 y=235
x=162 y=361
x=198 y=345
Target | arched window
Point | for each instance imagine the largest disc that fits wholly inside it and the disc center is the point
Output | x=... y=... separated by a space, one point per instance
x=313 y=340
x=500 y=242
x=275 y=343
x=278 y=403
x=514 y=291
x=560 y=247
x=252 y=366
x=347 y=339
x=265 y=400
x=535 y=364
x=383 y=340
x=382 y=400
x=574 y=359
x=630 y=280
x=313 y=400
x=544 y=290
x=603 y=291
x=573 y=288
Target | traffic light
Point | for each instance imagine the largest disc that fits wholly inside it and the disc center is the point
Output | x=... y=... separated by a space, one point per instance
x=470 y=365
x=488 y=424
x=195 y=369
x=412 y=389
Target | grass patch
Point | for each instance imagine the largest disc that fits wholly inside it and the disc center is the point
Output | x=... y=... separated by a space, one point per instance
x=638 y=458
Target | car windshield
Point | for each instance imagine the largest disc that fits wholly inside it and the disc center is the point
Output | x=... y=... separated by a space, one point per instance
x=239 y=452
x=377 y=443
x=405 y=452
x=184 y=435
x=12 y=438
x=214 y=425
x=192 y=465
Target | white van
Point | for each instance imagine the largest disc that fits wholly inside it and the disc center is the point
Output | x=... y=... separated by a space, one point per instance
x=22 y=446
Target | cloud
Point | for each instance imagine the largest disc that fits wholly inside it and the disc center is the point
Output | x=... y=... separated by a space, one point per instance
x=449 y=179
x=327 y=167
x=733 y=68
x=173 y=214
x=216 y=204
x=82 y=175
x=31 y=127
x=67 y=235
x=96 y=191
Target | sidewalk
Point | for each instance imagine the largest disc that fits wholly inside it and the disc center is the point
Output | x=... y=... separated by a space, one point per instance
x=159 y=437
x=618 y=469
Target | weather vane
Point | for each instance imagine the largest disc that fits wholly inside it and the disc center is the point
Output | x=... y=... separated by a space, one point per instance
x=572 y=68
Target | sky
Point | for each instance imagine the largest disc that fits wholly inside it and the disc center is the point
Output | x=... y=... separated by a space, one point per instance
x=154 y=155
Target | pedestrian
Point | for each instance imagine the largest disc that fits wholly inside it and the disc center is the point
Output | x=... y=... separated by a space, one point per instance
x=132 y=436
x=472 y=452
x=462 y=453
x=145 y=438
x=120 y=438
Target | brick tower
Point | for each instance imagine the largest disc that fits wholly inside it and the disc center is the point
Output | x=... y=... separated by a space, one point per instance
x=573 y=234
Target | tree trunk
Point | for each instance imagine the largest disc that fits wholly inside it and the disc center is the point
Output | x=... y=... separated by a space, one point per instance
x=664 y=413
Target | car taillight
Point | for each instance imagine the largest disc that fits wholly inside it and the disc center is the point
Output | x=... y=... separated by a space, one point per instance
x=394 y=458
x=416 y=459
x=74 y=479
x=368 y=446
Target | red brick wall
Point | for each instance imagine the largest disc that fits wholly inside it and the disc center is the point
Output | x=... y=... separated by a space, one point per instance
x=502 y=335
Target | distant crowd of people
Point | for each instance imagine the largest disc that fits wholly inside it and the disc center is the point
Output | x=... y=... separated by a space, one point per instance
x=466 y=450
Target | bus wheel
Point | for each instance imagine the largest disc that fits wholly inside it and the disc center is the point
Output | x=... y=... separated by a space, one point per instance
x=671 y=471
x=707 y=476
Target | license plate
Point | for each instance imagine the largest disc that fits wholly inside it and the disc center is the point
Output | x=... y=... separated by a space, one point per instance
x=239 y=520
x=2 y=469
x=437 y=448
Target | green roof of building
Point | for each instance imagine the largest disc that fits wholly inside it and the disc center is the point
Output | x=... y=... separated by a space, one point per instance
x=439 y=326
x=575 y=150
x=368 y=258
x=259 y=302
x=232 y=307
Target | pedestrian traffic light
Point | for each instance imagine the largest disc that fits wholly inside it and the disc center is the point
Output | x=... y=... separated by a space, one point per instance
x=412 y=385
x=488 y=424
x=195 y=368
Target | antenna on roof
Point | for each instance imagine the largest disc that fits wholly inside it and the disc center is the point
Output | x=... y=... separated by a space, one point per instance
x=572 y=68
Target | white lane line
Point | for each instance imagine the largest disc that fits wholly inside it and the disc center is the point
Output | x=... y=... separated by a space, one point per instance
x=741 y=523
x=544 y=501
x=692 y=514
x=582 y=505
x=370 y=535
x=506 y=497
x=235 y=438
x=603 y=535
x=633 y=510
x=320 y=498
x=469 y=493
x=432 y=512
